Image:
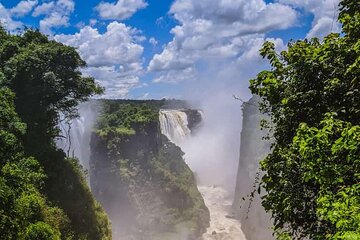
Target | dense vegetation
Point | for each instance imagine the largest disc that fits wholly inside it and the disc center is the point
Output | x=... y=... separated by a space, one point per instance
x=43 y=193
x=140 y=177
x=24 y=211
x=121 y=120
x=312 y=176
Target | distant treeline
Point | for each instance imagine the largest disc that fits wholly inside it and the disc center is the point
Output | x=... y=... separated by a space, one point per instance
x=163 y=103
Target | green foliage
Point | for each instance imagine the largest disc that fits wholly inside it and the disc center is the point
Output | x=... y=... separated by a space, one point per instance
x=343 y=211
x=11 y=128
x=45 y=75
x=350 y=18
x=312 y=97
x=46 y=198
x=21 y=203
x=41 y=231
x=177 y=181
x=66 y=186
x=121 y=119
x=325 y=160
x=115 y=131
x=135 y=165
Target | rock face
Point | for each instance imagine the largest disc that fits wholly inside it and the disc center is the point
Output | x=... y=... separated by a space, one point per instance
x=255 y=222
x=194 y=118
x=141 y=178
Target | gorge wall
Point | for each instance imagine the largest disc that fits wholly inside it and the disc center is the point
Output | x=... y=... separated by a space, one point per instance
x=137 y=171
x=255 y=222
x=139 y=175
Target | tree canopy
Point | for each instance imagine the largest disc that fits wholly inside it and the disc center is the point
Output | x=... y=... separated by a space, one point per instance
x=312 y=96
x=46 y=78
x=43 y=194
x=23 y=209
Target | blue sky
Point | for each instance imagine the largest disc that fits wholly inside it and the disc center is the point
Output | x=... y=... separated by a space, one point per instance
x=172 y=48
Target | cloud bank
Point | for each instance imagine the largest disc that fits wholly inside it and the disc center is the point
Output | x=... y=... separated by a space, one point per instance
x=114 y=57
x=215 y=30
x=212 y=40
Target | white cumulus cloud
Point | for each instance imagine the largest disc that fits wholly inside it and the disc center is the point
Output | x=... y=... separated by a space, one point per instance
x=57 y=14
x=325 y=15
x=116 y=82
x=8 y=16
x=215 y=31
x=114 y=57
x=23 y=8
x=6 y=19
x=120 y=10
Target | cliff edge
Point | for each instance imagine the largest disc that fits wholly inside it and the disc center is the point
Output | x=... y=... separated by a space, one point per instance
x=255 y=222
x=141 y=178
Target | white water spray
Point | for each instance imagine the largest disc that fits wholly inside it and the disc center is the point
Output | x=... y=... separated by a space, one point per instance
x=75 y=140
x=174 y=125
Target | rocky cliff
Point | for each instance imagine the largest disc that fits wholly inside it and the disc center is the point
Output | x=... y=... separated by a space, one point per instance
x=255 y=222
x=141 y=178
x=194 y=118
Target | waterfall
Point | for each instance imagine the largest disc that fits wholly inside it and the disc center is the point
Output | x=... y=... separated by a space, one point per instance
x=75 y=140
x=72 y=134
x=174 y=125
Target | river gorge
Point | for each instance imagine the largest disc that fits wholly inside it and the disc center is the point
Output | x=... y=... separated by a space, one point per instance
x=139 y=164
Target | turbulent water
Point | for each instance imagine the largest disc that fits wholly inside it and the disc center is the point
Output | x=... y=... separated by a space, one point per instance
x=222 y=224
x=174 y=125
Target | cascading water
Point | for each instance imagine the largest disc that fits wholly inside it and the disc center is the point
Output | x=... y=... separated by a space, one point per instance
x=174 y=125
x=75 y=140
x=72 y=135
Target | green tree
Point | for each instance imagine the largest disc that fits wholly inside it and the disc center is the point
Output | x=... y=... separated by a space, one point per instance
x=40 y=231
x=312 y=96
x=46 y=78
x=21 y=203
